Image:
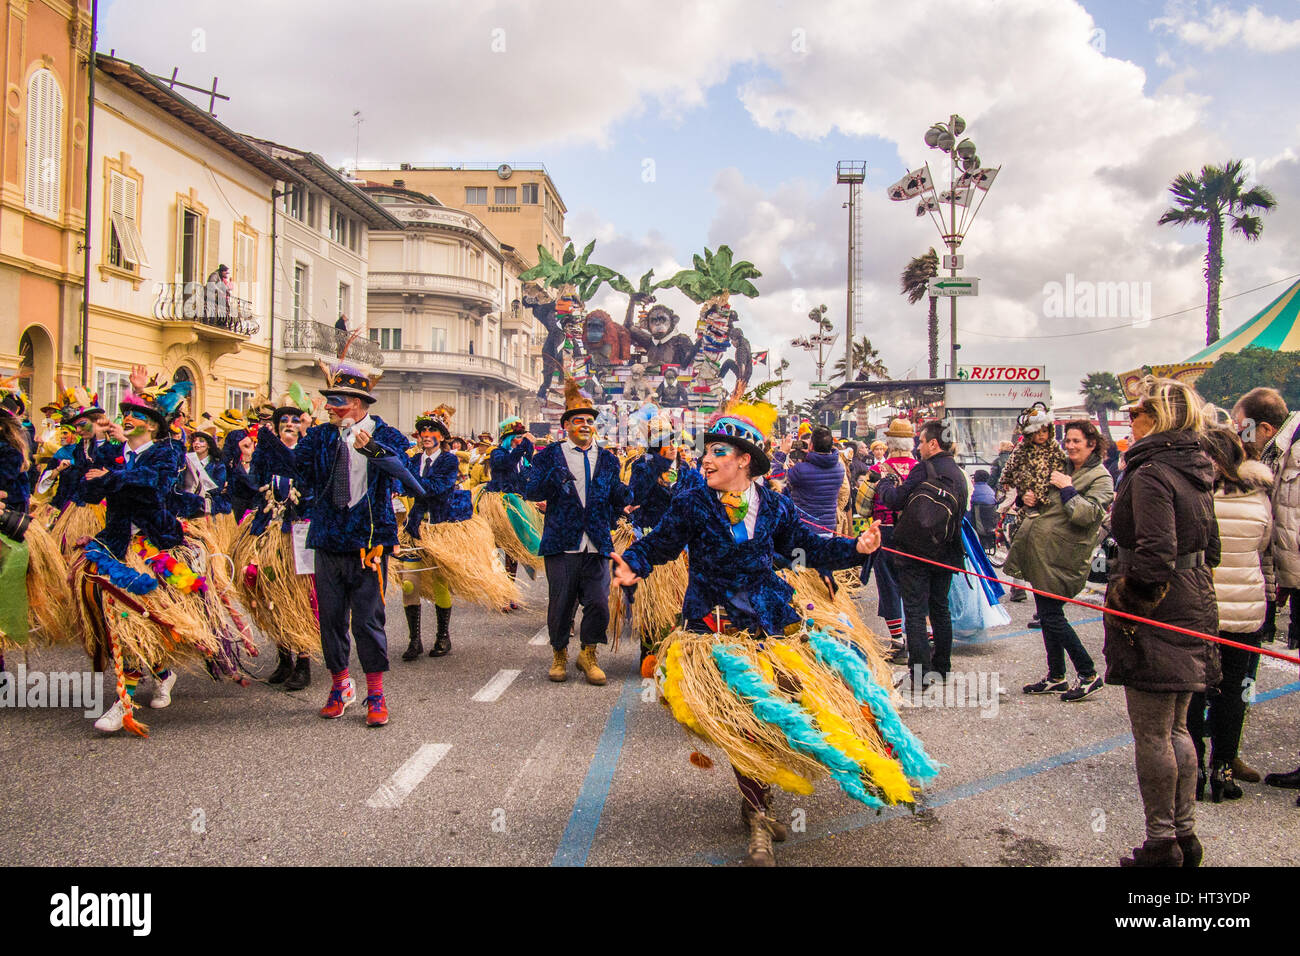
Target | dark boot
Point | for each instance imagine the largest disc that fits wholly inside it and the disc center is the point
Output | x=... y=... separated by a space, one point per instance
x=416 y=647
x=1155 y=853
x=301 y=676
x=1193 y=852
x=1018 y=595
x=1287 y=781
x=283 y=669
x=442 y=646
x=1222 y=786
x=1201 y=777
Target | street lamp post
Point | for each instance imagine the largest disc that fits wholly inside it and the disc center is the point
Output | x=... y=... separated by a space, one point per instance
x=973 y=178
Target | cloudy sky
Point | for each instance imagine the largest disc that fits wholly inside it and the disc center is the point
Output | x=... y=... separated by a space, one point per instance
x=723 y=122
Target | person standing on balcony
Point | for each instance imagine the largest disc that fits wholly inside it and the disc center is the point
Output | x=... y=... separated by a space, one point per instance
x=216 y=295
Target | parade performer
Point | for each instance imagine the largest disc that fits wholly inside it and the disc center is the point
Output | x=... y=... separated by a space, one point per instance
x=784 y=702
x=273 y=575
x=141 y=586
x=348 y=468
x=99 y=441
x=579 y=482
x=241 y=488
x=516 y=523
x=447 y=549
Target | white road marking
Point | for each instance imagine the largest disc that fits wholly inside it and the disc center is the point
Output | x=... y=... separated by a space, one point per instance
x=494 y=688
x=407 y=777
x=541 y=638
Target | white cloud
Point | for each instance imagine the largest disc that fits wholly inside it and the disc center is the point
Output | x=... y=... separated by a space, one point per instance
x=1223 y=26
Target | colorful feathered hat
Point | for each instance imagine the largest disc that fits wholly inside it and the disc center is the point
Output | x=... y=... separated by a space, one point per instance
x=12 y=398
x=157 y=401
x=346 y=379
x=746 y=426
x=72 y=404
x=507 y=425
x=439 y=420
x=575 y=402
x=292 y=403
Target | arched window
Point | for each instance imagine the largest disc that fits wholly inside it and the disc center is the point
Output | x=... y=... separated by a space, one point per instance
x=44 y=143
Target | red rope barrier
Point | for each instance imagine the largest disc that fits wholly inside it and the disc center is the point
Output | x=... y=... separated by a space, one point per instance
x=1096 y=607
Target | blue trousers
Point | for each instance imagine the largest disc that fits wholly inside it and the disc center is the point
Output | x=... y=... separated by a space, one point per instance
x=345 y=589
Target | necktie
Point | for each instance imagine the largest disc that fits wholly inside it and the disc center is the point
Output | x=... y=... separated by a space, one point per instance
x=424 y=470
x=737 y=507
x=130 y=460
x=340 y=490
x=586 y=471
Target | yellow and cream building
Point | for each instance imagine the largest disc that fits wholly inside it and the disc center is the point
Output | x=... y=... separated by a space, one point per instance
x=43 y=191
x=175 y=194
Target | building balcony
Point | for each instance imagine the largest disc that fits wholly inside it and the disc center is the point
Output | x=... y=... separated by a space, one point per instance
x=458 y=364
x=478 y=295
x=192 y=313
x=306 y=342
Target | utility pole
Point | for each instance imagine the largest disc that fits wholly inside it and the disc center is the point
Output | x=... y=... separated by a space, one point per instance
x=852 y=173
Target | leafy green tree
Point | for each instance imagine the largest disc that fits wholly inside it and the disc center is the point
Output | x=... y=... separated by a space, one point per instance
x=915 y=282
x=1218 y=192
x=865 y=359
x=1236 y=373
x=1102 y=394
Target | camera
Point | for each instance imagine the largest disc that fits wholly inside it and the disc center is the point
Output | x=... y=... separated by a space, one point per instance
x=13 y=524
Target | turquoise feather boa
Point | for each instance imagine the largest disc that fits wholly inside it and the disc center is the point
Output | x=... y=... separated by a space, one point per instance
x=907 y=748
x=793 y=721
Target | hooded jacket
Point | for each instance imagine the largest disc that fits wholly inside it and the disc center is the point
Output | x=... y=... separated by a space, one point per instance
x=1164 y=510
x=1244 y=575
x=814 y=486
x=1282 y=455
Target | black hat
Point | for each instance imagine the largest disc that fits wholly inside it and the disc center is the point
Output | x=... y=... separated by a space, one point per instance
x=292 y=411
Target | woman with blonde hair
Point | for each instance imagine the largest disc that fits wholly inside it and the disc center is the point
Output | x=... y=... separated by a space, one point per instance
x=1163 y=522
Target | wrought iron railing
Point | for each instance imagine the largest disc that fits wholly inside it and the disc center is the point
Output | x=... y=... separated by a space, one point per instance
x=209 y=304
x=305 y=335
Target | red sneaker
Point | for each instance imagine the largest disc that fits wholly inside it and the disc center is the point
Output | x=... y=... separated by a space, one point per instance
x=338 y=701
x=376 y=711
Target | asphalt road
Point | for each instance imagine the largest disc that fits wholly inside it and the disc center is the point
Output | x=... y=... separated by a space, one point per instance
x=535 y=773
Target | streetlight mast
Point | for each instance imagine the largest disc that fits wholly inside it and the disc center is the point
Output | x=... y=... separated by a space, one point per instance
x=852 y=173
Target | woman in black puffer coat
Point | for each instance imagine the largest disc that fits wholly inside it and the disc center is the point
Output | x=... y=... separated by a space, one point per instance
x=1163 y=521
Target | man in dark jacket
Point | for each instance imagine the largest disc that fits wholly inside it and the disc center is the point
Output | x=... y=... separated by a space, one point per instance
x=814 y=483
x=924 y=586
x=579 y=481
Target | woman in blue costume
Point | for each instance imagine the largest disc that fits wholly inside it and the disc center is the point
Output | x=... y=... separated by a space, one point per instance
x=784 y=700
x=141 y=588
x=280 y=595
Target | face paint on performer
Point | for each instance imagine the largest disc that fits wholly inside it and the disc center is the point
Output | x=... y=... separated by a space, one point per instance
x=136 y=426
x=344 y=410
x=430 y=440
x=85 y=427
x=289 y=431
x=725 y=467
x=581 y=429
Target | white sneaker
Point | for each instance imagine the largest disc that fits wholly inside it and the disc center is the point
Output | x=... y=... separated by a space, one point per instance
x=162 y=691
x=112 y=719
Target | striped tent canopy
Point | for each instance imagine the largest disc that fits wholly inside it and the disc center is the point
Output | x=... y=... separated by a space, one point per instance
x=1276 y=327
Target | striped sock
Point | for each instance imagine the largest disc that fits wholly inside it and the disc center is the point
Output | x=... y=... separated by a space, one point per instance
x=340 y=678
x=132 y=680
x=375 y=684
x=895 y=627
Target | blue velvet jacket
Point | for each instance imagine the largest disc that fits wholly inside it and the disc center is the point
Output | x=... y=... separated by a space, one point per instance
x=439 y=486
x=273 y=465
x=65 y=483
x=550 y=480
x=507 y=468
x=372 y=521
x=16 y=484
x=138 y=496
x=651 y=497
x=101 y=455
x=738 y=576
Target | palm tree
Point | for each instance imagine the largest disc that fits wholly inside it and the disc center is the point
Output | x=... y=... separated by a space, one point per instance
x=915 y=282
x=1102 y=395
x=715 y=279
x=1219 y=191
x=865 y=359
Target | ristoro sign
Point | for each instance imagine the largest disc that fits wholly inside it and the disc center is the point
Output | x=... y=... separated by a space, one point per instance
x=1002 y=373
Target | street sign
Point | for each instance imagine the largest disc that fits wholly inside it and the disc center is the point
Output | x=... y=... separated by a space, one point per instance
x=954 y=262
x=819 y=385
x=954 y=285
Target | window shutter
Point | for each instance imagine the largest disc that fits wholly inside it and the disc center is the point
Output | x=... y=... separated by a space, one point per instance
x=179 y=247
x=212 y=246
x=44 y=143
x=131 y=214
x=116 y=191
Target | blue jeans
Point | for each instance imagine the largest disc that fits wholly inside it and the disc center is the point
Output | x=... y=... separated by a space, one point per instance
x=1061 y=639
x=882 y=565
